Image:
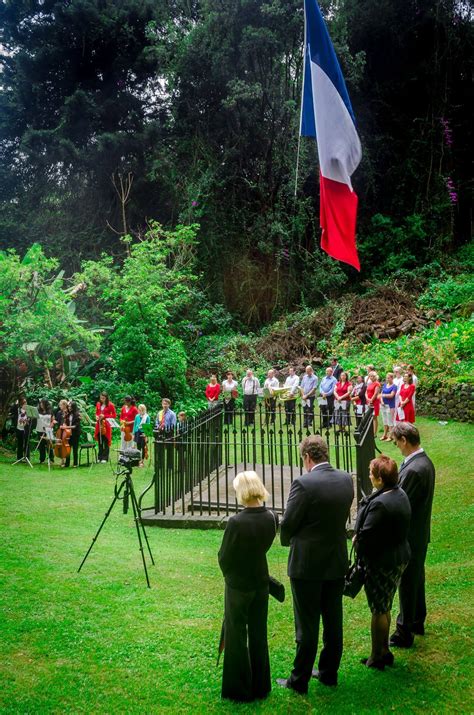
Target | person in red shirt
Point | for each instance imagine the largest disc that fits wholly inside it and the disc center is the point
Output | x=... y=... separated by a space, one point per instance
x=103 y=431
x=127 y=418
x=372 y=395
x=342 y=396
x=213 y=390
x=406 y=407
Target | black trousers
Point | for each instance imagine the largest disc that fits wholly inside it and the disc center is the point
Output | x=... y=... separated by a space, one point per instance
x=229 y=408
x=75 y=452
x=250 y=405
x=246 y=673
x=312 y=601
x=23 y=443
x=412 y=595
x=327 y=412
x=104 y=449
x=308 y=412
x=43 y=448
x=290 y=411
x=270 y=409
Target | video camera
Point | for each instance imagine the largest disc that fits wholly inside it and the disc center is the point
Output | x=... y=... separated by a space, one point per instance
x=129 y=457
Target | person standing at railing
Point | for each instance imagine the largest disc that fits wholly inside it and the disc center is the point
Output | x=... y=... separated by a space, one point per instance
x=326 y=403
x=342 y=395
x=271 y=383
x=291 y=384
x=388 y=396
x=309 y=384
x=406 y=399
x=229 y=393
x=250 y=388
x=372 y=395
x=213 y=390
x=358 y=397
x=166 y=418
x=140 y=438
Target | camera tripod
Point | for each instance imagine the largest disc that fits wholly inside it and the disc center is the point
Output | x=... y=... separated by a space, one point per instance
x=128 y=494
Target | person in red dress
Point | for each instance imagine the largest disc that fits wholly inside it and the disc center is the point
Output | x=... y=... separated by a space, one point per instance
x=406 y=396
x=127 y=418
x=103 y=431
x=213 y=390
x=372 y=395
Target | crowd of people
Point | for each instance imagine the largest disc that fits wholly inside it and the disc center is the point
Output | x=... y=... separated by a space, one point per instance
x=335 y=393
x=391 y=538
x=56 y=432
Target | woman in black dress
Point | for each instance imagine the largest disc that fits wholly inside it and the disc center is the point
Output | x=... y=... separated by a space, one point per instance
x=243 y=561
x=381 y=541
x=74 y=423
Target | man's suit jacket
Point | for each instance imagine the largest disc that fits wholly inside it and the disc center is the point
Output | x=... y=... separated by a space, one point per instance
x=314 y=524
x=417 y=479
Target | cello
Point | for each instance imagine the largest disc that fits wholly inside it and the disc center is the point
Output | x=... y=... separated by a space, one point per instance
x=62 y=448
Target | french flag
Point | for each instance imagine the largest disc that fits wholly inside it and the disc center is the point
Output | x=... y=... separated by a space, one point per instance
x=326 y=113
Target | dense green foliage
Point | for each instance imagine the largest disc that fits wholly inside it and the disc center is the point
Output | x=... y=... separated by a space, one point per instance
x=115 y=113
x=101 y=642
x=41 y=337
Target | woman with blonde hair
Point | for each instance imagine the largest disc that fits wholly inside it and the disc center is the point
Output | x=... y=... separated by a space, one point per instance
x=243 y=562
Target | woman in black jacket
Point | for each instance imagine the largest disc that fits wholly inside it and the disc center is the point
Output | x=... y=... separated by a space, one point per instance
x=381 y=541
x=74 y=423
x=242 y=558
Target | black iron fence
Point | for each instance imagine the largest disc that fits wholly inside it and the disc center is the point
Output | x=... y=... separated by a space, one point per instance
x=194 y=466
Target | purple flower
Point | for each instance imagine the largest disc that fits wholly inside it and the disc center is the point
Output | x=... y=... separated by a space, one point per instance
x=194 y=204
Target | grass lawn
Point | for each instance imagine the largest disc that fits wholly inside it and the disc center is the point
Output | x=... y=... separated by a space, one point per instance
x=101 y=642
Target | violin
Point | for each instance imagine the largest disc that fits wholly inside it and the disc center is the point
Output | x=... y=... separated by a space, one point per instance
x=127 y=431
x=62 y=448
x=102 y=425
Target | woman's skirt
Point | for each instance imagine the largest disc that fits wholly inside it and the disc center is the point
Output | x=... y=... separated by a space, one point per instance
x=380 y=586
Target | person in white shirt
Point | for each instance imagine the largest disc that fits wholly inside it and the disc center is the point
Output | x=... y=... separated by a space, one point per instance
x=291 y=383
x=397 y=377
x=250 y=388
x=271 y=383
x=229 y=392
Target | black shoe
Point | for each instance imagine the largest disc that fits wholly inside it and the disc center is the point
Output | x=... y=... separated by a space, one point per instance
x=388 y=659
x=285 y=683
x=378 y=664
x=325 y=680
x=418 y=629
x=401 y=641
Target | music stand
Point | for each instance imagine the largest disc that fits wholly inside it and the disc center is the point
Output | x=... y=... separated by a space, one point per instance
x=32 y=413
x=47 y=437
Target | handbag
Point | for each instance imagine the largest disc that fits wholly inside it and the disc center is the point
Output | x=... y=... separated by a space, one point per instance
x=354 y=578
x=275 y=587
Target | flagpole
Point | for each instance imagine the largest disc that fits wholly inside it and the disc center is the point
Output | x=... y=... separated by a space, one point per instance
x=301 y=106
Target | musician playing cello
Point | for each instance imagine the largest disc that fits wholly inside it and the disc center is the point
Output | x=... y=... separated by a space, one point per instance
x=103 y=431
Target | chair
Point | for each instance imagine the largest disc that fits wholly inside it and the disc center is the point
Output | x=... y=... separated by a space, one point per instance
x=89 y=447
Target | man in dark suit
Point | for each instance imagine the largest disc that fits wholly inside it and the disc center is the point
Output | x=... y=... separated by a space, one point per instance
x=417 y=479
x=314 y=526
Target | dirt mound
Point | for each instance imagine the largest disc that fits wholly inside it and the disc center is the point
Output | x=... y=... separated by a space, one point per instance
x=385 y=313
